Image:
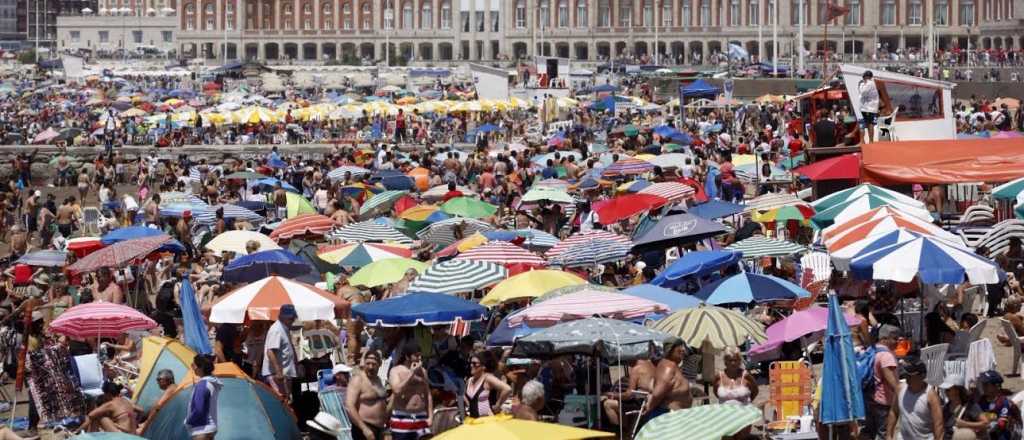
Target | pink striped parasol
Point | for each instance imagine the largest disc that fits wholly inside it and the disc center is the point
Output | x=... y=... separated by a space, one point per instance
x=502 y=252
x=315 y=224
x=584 y=305
x=100 y=319
x=119 y=253
x=673 y=191
x=585 y=237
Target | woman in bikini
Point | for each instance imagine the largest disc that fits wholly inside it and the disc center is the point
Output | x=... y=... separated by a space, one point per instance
x=116 y=415
x=366 y=400
x=481 y=384
x=734 y=385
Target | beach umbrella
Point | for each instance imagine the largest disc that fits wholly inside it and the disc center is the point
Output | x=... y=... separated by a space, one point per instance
x=129 y=233
x=886 y=224
x=670 y=160
x=849 y=209
x=446 y=232
x=340 y=172
x=845 y=167
x=505 y=335
x=844 y=226
x=715 y=209
x=627 y=167
x=438 y=192
x=385 y=271
x=458 y=276
x=804 y=322
x=245 y=175
x=623 y=207
x=106 y=435
x=369 y=231
x=578 y=288
x=715 y=326
x=610 y=339
x=535 y=238
x=159 y=353
x=262 y=301
x=197 y=337
x=246 y=409
x=839 y=379
x=418 y=309
x=361 y=254
x=705 y=422
x=82 y=246
x=841 y=258
x=502 y=252
x=1009 y=190
x=759 y=246
x=831 y=200
x=746 y=287
x=530 y=284
x=583 y=237
x=697 y=263
x=235 y=241
x=230 y=211
x=262 y=264
x=100 y=319
x=298 y=205
x=44 y=258
x=468 y=207
x=307 y=224
x=676 y=230
x=46 y=136
x=380 y=202
x=585 y=304
x=538 y=193
x=670 y=298
x=671 y=191
x=118 y=254
x=771 y=201
x=933 y=261
x=359 y=191
x=419 y=213
x=799 y=212
x=557 y=184
x=590 y=253
x=270 y=184
x=505 y=427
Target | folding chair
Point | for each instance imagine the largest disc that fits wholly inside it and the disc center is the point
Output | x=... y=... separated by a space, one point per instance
x=790 y=385
x=445 y=418
x=1011 y=334
x=933 y=357
x=635 y=416
x=90 y=221
x=90 y=375
x=333 y=403
x=962 y=341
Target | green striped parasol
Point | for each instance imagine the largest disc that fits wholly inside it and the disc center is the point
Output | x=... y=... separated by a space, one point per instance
x=718 y=326
x=758 y=246
x=706 y=422
x=381 y=201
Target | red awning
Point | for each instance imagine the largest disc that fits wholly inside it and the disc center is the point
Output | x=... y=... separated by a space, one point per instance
x=837 y=168
x=946 y=161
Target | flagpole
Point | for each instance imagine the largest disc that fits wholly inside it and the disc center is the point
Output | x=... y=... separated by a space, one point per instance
x=800 y=49
x=775 y=39
x=824 y=66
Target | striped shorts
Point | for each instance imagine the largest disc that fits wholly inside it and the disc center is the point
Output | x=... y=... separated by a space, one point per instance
x=407 y=426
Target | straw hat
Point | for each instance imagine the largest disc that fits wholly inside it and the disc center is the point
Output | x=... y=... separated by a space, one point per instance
x=326 y=424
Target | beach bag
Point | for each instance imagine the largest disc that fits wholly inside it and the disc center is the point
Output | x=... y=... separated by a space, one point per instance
x=866 y=369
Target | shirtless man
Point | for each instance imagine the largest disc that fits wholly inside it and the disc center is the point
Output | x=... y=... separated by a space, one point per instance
x=18 y=238
x=411 y=398
x=671 y=388
x=281 y=201
x=641 y=378
x=66 y=217
x=338 y=215
x=354 y=296
x=111 y=291
x=366 y=400
x=153 y=211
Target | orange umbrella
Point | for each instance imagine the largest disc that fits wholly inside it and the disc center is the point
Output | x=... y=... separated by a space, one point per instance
x=421 y=176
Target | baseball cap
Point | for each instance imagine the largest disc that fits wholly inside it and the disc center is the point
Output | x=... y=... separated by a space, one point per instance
x=288 y=311
x=951 y=381
x=991 y=377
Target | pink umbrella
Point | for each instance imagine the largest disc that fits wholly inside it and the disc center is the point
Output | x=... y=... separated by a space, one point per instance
x=120 y=253
x=100 y=319
x=46 y=136
x=502 y=252
x=584 y=305
x=807 y=321
x=584 y=237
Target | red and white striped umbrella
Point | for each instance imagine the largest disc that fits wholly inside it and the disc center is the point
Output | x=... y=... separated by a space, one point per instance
x=584 y=305
x=119 y=253
x=304 y=224
x=585 y=237
x=262 y=300
x=100 y=320
x=628 y=167
x=673 y=191
x=502 y=252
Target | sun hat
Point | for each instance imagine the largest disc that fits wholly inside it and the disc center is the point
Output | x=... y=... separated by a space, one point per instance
x=326 y=424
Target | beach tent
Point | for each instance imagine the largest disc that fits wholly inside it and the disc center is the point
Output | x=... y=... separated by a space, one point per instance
x=159 y=353
x=699 y=89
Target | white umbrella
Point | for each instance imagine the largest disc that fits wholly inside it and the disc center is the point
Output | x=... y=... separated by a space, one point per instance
x=235 y=241
x=263 y=299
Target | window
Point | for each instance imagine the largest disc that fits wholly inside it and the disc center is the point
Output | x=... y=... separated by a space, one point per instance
x=794 y=9
x=648 y=13
x=209 y=24
x=495 y=21
x=168 y=36
x=480 y=22
x=705 y=12
x=773 y=16
x=687 y=14
x=753 y=13
x=604 y=13
x=520 y=14
x=367 y=16
x=307 y=9
x=914 y=101
x=966 y=12
x=407 y=19
x=563 y=13
x=289 y=20
x=327 y=12
x=582 y=18
x=666 y=13
x=914 y=12
x=137 y=37
x=307 y=24
x=735 y=13
x=464 y=16
x=888 y=12
x=76 y=36
x=625 y=13
x=941 y=12
x=427 y=16
x=209 y=8
x=105 y=36
x=853 y=18
x=346 y=16
x=446 y=14
x=229 y=22
x=544 y=17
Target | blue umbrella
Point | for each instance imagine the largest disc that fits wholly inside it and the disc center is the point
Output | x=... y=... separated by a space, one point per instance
x=487 y=128
x=747 y=287
x=713 y=209
x=394 y=180
x=839 y=380
x=196 y=336
x=270 y=183
x=695 y=263
x=677 y=229
x=505 y=335
x=259 y=265
x=591 y=252
x=418 y=309
x=674 y=300
x=133 y=232
x=44 y=258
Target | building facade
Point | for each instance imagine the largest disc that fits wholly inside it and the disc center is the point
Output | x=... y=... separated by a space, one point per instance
x=679 y=31
x=37 y=19
x=107 y=34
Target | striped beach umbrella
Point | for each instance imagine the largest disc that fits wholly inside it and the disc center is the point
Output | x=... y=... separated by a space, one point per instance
x=536 y=238
x=209 y=215
x=584 y=237
x=307 y=224
x=369 y=231
x=758 y=246
x=584 y=305
x=446 y=232
x=589 y=288
x=673 y=191
x=932 y=260
x=713 y=325
x=380 y=202
x=591 y=252
x=336 y=254
x=100 y=319
x=889 y=223
x=458 y=276
x=770 y=201
x=262 y=300
x=705 y=422
x=339 y=173
x=628 y=167
x=502 y=252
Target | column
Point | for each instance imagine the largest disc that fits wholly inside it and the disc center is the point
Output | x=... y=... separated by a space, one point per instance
x=675 y=14
x=472 y=31
x=531 y=8
x=316 y=22
x=614 y=15
x=277 y=17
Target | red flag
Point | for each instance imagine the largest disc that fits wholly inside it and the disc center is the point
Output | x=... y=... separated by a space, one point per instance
x=835 y=11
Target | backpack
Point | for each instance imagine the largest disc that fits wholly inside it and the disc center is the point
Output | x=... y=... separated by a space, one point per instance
x=866 y=368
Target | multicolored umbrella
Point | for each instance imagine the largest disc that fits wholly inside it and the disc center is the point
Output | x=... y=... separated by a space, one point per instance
x=100 y=319
x=583 y=237
x=625 y=206
x=529 y=284
x=672 y=191
x=746 y=287
x=874 y=214
x=262 y=264
x=847 y=195
x=932 y=260
x=458 y=276
x=380 y=202
x=583 y=305
x=308 y=224
x=262 y=300
x=468 y=207
x=889 y=223
x=590 y=253
x=578 y=288
x=236 y=241
x=759 y=246
x=446 y=232
x=849 y=209
x=502 y=252
x=800 y=212
x=361 y=254
x=119 y=254
x=705 y=422
x=369 y=230
x=418 y=309
x=384 y=272
x=628 y=167
x=716 y=326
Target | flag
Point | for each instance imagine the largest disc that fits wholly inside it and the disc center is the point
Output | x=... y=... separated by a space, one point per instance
x=835 y=11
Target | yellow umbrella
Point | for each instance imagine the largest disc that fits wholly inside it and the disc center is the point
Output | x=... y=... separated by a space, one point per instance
x=743 y=159
x=418 y=213
x=504 y=427
x=529 y=285
x=473 y=241
x=386 y=271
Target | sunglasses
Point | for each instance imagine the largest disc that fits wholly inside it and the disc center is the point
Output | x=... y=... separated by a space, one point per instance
x=474 y=364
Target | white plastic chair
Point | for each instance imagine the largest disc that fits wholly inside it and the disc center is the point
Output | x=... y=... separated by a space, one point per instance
x=962 y=341
x=90 y=374
x=934 y=356
x=886 y=126
x=1011 y=334
x=819 y=263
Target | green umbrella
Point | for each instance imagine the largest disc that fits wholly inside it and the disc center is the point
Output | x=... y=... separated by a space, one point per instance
x=468 y=207
x=630 y=130
x=384 y=272
x=847 y=195
x=381 y=201
x=705 y=422
x=672 y=147
x=1009 y=190
x=246 y=175
x=297 y=205
x=547 y=193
